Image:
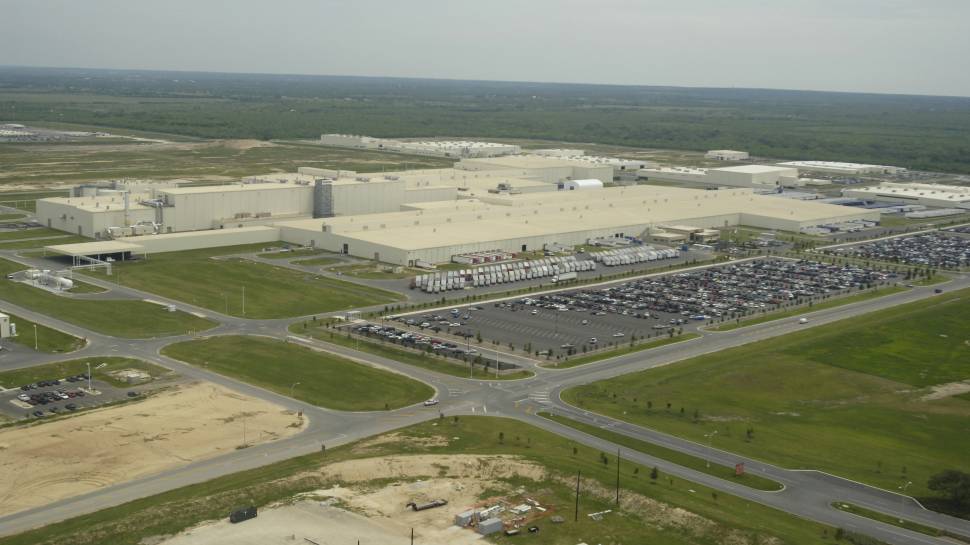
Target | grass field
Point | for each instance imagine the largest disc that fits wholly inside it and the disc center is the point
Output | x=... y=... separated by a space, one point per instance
x=317 y=261
x=599 y=356
x=12 y=217
x=22 y=244
x=291 y=254
x=731 y=519
x=26 y=200
x=324 y=379
x=62 y=369
x=38 y=232
x=217 y=284
x=370 y=271
x=120 y=318
x=875 y=515
x=831 y=303
x=679 y=458
x=843 y=397
x=41 y=164
x=410 y=357
x=48 y=339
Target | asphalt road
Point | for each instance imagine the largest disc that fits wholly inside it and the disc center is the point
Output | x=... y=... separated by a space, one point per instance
x=807 y=493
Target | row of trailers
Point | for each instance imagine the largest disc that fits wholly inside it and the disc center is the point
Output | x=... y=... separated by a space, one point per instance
x=501 y=273
x=629 y=256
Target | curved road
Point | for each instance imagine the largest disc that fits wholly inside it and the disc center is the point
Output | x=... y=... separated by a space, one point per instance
x=806 y=494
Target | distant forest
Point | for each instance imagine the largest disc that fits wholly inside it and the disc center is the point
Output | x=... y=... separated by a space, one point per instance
x=926 y=133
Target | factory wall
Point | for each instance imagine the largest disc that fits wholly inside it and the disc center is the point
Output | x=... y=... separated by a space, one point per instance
x=213 y=210
x=367 y=197
x=85 y=222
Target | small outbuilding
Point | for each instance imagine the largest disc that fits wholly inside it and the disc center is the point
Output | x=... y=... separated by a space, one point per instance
x=490 y=526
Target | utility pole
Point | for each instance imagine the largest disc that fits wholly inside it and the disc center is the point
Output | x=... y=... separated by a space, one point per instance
x=576 y=512
x=617 y=477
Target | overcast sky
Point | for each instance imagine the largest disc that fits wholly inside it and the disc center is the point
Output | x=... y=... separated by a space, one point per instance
x=886 y=46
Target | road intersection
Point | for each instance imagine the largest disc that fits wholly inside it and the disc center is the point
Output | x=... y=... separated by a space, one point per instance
x=807 y=494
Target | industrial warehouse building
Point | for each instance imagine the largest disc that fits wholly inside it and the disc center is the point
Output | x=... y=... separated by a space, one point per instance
x=436 y=231
x=848 y=169
x=937 y=195
x=766 y=177
x=726 y=155
x=510 y=204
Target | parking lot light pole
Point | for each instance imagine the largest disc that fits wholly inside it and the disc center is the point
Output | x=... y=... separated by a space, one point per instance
x=902 y=500
x=35 y=336
x=89 y=376
x=709 y=437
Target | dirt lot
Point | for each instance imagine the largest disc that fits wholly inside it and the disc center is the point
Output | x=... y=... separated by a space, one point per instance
x=375 y=514
x=70 y=456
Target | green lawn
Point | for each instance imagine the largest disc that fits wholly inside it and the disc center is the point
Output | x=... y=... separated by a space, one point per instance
x=290 y=254
x=39 y=232
x=12 y=217
x=62 y=369
x=423 y=360
x=48 y=339
x=120 y=318
x=725 y=518
x=843 y=397
x=317 y=261
x=60 y=238
x=84 y=287
x=371 y=271
x=679 y=458
x=875 y=515
x=623 y=350
x=831 y=303
x=325 y=379
x=217 y=284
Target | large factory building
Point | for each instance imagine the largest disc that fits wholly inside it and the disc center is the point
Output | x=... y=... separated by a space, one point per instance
x=435 y=232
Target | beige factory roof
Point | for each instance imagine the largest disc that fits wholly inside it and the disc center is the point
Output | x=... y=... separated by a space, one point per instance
x=103 y=203
x=532 y=161
x=227 y=188
x=541 y=214
x=754 y=169
x=99 y=247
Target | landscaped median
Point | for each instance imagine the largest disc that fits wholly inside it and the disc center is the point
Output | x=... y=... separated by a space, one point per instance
x=621 y=351
x=679 y=458
x=101 y=369
x=293 y=370
x=430 y=361
x=888 y=519
x=117 y=317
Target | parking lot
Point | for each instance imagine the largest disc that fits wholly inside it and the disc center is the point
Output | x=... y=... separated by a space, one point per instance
x=580 y=320
x=937 y=249
x=54 y=396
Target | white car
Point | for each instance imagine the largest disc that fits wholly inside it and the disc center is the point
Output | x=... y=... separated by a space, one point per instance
x=23 y=397
x=618 y=334
x=803 y=320
x=430 y=402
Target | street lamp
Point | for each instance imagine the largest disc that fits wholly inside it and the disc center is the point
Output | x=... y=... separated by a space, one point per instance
x=902 y=500
x=35 y=336
x=710 y=437
x=89 y=376
x=295 y=384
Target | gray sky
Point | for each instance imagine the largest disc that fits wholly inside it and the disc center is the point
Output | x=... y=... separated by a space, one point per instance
x=886 y=46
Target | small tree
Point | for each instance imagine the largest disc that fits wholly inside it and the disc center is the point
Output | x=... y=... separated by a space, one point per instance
x=654 y=473
x=501 y=437
x=953 y=484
